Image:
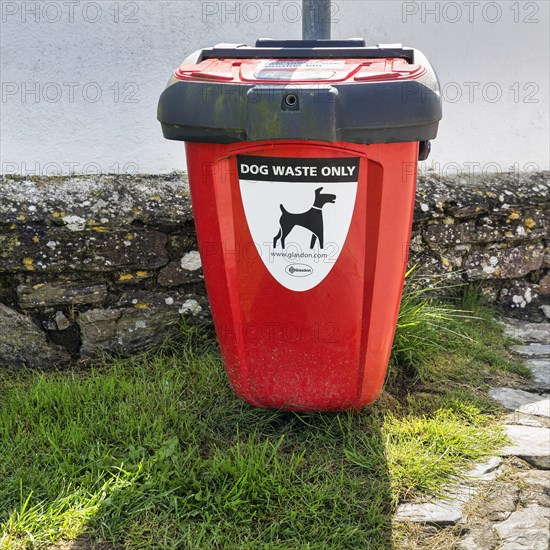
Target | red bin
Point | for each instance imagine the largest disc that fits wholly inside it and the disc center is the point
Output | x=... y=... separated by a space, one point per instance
x=302 y=160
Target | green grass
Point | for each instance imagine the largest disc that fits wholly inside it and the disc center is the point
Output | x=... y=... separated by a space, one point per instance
x=155 y=452
x=457 y=339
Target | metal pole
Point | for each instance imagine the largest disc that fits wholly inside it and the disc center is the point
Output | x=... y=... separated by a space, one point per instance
x=315 y=19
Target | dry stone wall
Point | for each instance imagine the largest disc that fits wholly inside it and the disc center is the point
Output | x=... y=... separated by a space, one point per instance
x=96 y=264
x=492 y=231
x=111 y=264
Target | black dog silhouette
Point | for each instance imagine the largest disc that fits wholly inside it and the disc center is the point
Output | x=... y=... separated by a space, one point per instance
x=312 y=220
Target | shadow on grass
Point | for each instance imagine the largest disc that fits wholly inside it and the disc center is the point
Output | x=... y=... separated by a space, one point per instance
x=156 y=452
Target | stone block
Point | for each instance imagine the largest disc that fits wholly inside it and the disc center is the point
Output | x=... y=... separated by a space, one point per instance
x=140 y=321
x=59 y=294
x=57 y=249
x=505 y=263
x=24 y=344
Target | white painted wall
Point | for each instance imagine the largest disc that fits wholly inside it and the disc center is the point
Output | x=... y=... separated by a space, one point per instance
x=56 y=58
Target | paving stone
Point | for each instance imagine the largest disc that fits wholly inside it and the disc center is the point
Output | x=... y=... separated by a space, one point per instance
x=485 y=471
x=499 y=501
x=535 y=487
x=523 y=420
x=526 y=528
x=537 y=408
x=461 y=493
x=535 y=477
x=481 y=537
x=541 y=372
x=527 y=332
x=530 y=444
x=522 y=401
x=439 y=513
x=532 y=350
x=512 y=398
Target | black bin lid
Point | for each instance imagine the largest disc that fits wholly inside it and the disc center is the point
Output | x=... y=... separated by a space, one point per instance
x=209 y=100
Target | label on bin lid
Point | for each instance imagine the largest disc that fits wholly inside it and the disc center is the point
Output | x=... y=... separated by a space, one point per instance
x=299 y=211
x=299 y=70
x=311 y=69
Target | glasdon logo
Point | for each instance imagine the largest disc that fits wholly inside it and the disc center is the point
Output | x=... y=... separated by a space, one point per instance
x=299 y=270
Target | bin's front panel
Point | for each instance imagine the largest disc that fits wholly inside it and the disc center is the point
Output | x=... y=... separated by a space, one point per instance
x=304 y=248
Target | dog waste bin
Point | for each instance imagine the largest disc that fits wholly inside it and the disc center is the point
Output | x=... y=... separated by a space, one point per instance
x=302 y=160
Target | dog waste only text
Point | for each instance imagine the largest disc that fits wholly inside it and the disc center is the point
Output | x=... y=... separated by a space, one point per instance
x=298 y=170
